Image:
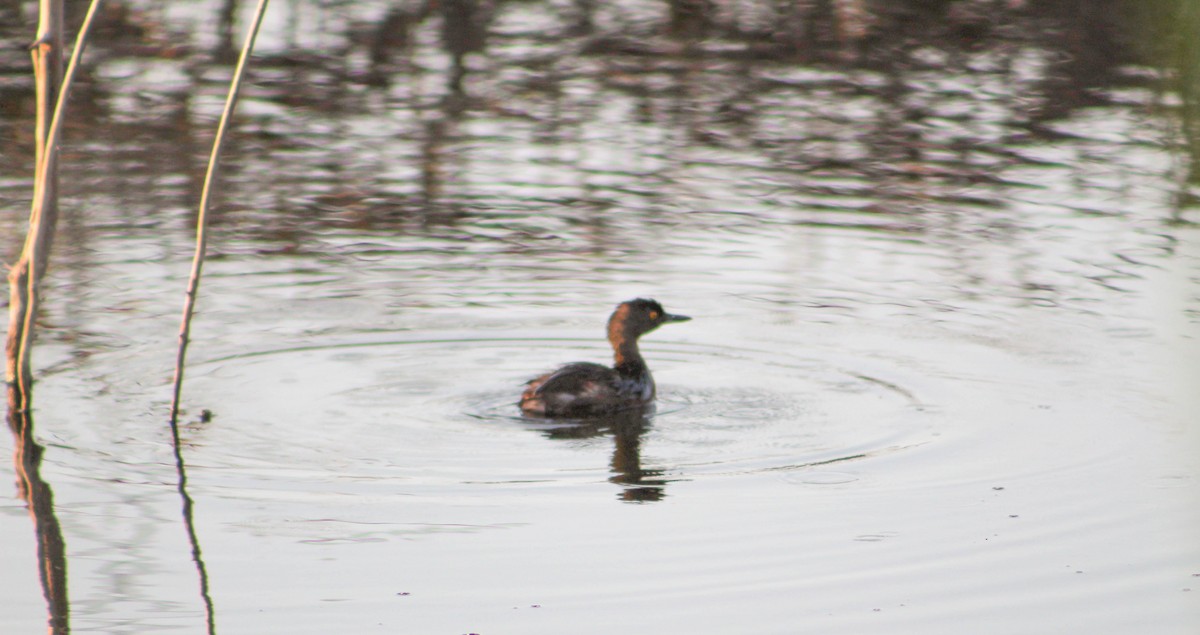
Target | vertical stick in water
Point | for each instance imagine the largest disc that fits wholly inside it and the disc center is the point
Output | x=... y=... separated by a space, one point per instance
x=189 y=304
x=24 y=278
x=26 y=275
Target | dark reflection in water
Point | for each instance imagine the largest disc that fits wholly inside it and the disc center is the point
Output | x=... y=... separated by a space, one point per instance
x=638 y=484
x=189 y=523
x=890 y=91
x=39 y=498
x=1174 y=40
x=464 y=30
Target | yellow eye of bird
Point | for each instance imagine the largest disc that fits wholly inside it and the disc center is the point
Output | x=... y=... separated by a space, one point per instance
x=654 y=315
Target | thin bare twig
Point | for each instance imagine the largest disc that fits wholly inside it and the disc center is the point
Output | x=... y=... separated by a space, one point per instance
x=34 y=259
x=189 y=304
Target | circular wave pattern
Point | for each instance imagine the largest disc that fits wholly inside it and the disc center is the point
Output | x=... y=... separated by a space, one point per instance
x=442 y=411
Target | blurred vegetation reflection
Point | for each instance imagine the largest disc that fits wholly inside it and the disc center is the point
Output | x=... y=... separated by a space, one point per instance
x=420 y=113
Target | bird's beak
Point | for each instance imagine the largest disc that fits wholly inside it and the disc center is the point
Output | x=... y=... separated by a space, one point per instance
x=676 y=318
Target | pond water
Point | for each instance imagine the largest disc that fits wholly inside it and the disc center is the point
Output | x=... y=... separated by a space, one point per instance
x=941 y=373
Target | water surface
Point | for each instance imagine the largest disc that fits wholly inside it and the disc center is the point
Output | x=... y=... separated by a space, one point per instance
x=942 y=368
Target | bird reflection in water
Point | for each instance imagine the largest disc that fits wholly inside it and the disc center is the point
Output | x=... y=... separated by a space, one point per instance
x=639 y=485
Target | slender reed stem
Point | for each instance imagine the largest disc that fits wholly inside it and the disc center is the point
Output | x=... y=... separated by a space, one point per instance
x=43 y=217
x=210 y=177
x=189 y=305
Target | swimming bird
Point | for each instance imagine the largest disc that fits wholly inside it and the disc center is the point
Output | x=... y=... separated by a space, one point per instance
x=585 y=388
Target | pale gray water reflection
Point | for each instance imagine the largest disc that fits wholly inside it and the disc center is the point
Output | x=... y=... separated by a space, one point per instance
x=942 y=260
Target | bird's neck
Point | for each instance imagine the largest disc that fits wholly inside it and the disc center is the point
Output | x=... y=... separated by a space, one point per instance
x=627 y=359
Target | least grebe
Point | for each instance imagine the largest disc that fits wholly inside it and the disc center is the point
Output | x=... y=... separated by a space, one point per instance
x=584 y=388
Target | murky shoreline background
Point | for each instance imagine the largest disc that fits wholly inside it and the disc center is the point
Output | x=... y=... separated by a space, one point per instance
x=942 y=257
